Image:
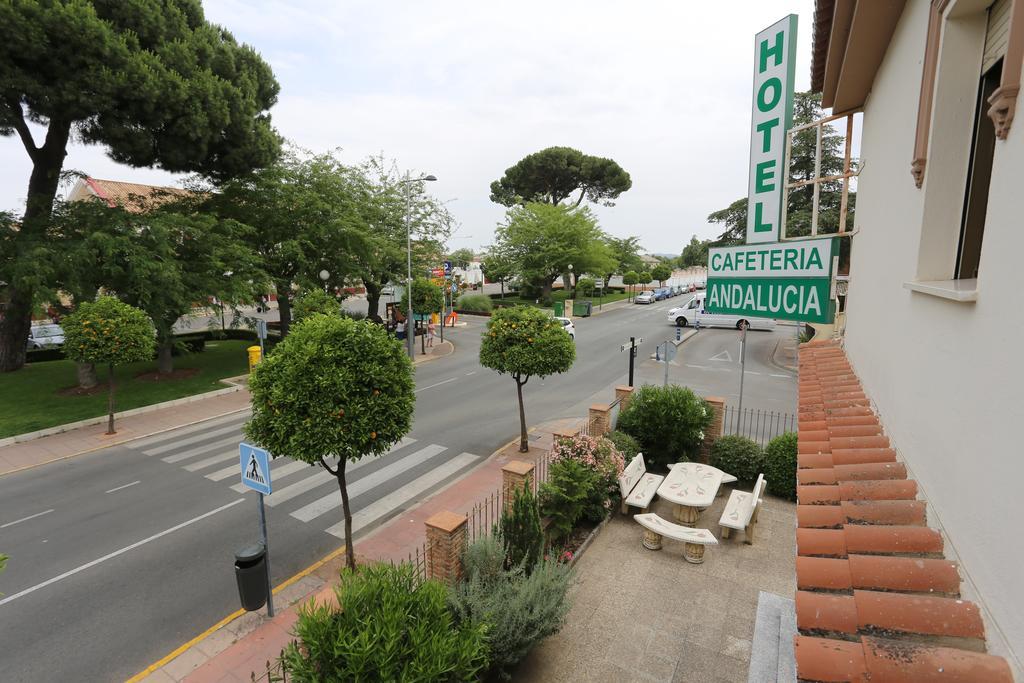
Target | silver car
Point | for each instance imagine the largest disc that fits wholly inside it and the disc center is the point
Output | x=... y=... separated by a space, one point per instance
x=45 y=336
x=646 y=297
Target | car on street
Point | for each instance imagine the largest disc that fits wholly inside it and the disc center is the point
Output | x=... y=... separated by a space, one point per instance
x=567 y=326
x=694 y=313
x=645 y=297
x=660 y=294
x=45 y=336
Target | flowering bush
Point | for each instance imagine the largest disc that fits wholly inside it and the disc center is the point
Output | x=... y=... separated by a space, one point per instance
x=583 y=482
x=598 y=454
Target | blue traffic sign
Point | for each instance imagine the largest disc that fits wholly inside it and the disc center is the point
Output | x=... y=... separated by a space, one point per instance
x=255 y=464
x=447 y=267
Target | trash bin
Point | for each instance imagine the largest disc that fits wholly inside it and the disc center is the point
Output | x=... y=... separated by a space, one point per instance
x=251 y=574
x=582 y=309
x=254 y=356
x=559 y=309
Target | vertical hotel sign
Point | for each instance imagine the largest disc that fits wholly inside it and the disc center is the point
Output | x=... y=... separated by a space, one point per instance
x=774 y=63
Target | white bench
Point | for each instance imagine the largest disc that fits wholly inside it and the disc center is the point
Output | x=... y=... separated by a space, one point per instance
x=638 y=486
x=741 y=511
x=694 y=540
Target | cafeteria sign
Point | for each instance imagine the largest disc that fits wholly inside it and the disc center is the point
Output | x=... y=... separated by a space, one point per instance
x=784 y=280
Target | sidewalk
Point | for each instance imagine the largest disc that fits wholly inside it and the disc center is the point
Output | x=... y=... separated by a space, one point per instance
x=244 y=645
x=90 y=438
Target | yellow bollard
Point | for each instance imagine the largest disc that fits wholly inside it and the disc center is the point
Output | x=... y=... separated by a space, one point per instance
x=254 y=356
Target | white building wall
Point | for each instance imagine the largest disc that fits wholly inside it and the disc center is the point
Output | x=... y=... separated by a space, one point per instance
x=947 y=377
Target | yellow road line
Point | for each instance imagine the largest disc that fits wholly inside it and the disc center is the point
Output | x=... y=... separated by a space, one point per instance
x=231 y=617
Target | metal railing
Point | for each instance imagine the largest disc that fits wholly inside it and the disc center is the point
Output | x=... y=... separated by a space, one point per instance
x=760 y=425
x=486 y=513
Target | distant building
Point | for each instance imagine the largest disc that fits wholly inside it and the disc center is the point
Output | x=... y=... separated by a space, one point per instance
x=133 y=197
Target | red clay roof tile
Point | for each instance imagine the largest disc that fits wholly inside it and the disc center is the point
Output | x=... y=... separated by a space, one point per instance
x=900 y=661
x=927 y=614
x=899 y=489
x=825 y=612
x=825 y=660
x=900 y=512
x=872 y=539
x=870 y=471
x=821 y=542
x=816 y=494
x=819 y=516
x=911 y=574
x=856 y=456
x=823 y=573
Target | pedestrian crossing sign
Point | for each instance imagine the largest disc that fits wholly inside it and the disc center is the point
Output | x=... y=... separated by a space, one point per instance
x=255 y=464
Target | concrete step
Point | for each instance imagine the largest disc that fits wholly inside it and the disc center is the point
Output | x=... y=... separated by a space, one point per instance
x=772 y=658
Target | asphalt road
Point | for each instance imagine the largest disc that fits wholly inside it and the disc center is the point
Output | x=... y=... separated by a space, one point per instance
x=120 y=555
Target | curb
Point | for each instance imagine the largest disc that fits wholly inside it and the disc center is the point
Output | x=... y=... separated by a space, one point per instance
x=89 y=422
x=780 y=366
x=683 y=338
x=433 y=357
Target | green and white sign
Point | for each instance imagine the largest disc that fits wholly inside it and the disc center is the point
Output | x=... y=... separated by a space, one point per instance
x=774 y=63
x=785 y=281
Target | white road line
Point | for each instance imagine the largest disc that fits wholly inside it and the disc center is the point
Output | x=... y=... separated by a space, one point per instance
x=450 y=379
x=401 y=496
x=782 y=376
x=212 y=460
x=118 y=488
x=25 y=519
x=333 y=499
x=472 y=372
x=701 y=367
x=110 y=556
x=276 y=472
x=181 y=431
x=176 y=443
x=199 y=450
x=321 y=477
x=751 y=372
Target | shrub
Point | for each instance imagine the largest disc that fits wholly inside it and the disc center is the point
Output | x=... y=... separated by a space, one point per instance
x=780 y=465
x=517 y=609
x=392 y=628
x=586 y=285
x=601 y=455
x=313 y=301
x=478 y=303
x=669 y=423
x=567 y=496
x=737 y=455
x=353 y=315
x=520 y=529
x=626 y=444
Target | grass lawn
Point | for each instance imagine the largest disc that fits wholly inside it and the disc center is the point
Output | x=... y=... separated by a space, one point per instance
x=30 y=398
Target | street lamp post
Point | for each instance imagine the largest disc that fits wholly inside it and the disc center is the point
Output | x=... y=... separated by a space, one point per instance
x=410 y=333
x=325 y=275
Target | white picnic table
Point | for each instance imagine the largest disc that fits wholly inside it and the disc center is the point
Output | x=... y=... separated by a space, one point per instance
x=692 y=487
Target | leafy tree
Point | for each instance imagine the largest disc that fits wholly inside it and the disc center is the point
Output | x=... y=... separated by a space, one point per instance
x=334 y=388
x=695 y=253
x=461 y=257
x=497 y=269
x=155 y=84
x=427 y=298
x=661 y=272
x=522 y=341
x=645 y=278
x=630 y=278
x=553 y=174
x=314 y=301
x=586 y=285
x=521 y=531
x=806 y=109
x=305 y=214
x=108 y=332
x=626 y=252
x=541 y=240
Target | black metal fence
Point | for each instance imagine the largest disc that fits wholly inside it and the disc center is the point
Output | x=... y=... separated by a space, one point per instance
x=760 y=425
x=485 y=513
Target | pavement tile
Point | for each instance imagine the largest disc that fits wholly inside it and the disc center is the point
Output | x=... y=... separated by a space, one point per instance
x=159 y=676
x=185 y=663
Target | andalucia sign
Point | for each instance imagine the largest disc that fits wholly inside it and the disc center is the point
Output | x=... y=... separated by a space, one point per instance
x=785 y=280
x=772 y=116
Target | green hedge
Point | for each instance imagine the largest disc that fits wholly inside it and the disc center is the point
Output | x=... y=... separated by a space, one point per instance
x=475 y=303
x=669 y=422
x=780 y=465
x=739 y=456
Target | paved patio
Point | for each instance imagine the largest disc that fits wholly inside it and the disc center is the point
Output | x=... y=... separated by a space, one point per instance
x=641 y=615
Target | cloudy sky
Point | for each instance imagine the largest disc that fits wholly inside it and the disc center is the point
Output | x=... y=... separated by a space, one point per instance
x=465 y=89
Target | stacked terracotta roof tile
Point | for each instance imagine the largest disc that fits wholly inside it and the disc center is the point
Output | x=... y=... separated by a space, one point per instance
x=875 y=599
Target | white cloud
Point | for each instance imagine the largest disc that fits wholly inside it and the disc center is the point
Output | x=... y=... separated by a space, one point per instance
x=465 y=89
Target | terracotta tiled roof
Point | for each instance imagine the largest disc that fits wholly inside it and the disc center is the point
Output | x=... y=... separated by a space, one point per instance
x=876 y=601
x=130 y=196
x=822 y=31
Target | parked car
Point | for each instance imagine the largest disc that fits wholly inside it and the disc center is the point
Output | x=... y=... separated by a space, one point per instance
x=694 y=313
x=702 y=285
x=645 y=297
x=660 y=294
x=45 y=336
x=567 y=326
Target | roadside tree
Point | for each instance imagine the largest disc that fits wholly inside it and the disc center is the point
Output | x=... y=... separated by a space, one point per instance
x=661 y=273
x=626 y=252
x=334 y=389
x=523 y=341
x=427 y=298
x=314 y=301
x=554 y=174
x=497 y=269
x=695 y=253
x=630 y=278
x=585 y=286
x=645 y=278
x=461 y=258
x=108 y=332
x=129 y=79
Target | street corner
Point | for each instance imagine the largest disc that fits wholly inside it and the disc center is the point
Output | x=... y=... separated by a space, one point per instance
x=440 y=350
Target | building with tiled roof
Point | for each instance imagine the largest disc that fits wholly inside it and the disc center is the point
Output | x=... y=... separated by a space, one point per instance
x=134 y=197
x=911 y=464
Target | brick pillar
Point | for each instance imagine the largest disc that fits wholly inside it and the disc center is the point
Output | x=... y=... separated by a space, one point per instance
x=717 y=425
x=566 y=434
x=624 y=395
x=513 y=476
x=600 y=415
x=447 y=536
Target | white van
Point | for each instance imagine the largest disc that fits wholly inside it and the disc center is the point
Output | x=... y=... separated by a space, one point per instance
x=693 y=313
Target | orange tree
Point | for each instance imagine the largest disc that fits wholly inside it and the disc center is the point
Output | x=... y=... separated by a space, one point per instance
x=334 y=389
x=108 y=332
x=524 y=341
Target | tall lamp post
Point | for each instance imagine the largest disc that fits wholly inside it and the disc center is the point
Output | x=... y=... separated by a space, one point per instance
x=324 y=277
x=410 y=333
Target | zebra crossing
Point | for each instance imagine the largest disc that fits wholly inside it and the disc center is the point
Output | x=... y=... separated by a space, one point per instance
x=377 y=486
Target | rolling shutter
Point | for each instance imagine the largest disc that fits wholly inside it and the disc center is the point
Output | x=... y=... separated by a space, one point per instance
x=997 y=35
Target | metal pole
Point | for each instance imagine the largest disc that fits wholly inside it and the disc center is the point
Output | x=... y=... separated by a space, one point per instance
x=666 y=363
x=743 y=364
x=632 y=354
x=410 y=331
x=266 y=558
